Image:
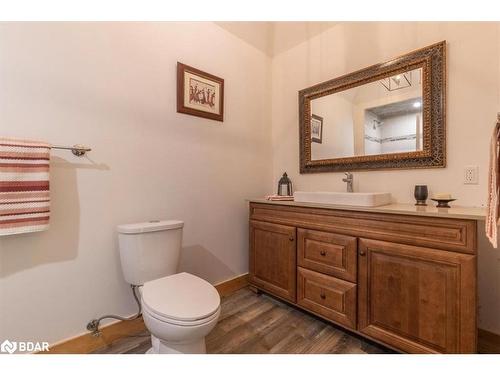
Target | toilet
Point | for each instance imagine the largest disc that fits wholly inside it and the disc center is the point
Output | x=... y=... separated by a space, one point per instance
x=179 y=309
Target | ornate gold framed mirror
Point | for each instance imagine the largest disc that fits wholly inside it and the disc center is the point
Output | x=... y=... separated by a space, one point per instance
x=390 y=115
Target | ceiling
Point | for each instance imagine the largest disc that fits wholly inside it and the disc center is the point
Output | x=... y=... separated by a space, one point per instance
x=403 y=107
x=275 y=37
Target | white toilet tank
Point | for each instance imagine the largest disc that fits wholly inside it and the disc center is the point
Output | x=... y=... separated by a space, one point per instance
x=149 y=250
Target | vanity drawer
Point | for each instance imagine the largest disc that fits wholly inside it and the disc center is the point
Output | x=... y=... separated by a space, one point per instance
x=332 y=298
x=330 y=253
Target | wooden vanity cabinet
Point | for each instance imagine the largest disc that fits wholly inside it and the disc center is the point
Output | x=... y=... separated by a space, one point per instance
x=408 y=282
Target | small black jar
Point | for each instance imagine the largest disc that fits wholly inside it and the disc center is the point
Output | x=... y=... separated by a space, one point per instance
x=421 y=194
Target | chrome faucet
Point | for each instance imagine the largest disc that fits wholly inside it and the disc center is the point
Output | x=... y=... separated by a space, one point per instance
x=349 y=179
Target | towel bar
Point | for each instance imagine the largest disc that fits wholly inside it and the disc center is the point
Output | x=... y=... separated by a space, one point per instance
x=77 y=150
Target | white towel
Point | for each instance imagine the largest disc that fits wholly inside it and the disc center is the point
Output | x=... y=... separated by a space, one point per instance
x=491 y=225
x=24 y=186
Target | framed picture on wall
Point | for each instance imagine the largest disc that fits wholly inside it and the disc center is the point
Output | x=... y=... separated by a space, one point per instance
x=199 y=94
x=316 y=129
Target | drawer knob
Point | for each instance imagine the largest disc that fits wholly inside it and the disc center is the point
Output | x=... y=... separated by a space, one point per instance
x=322 y=253
x=322 y=295
x=362 y=253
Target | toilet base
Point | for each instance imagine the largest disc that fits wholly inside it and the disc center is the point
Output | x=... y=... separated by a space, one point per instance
x=164 y=347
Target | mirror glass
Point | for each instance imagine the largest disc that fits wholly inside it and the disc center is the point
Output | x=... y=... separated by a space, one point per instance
x=380 y=117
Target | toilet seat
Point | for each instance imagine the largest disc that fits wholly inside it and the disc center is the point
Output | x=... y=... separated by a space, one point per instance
x=181 y=299
x=182 y=323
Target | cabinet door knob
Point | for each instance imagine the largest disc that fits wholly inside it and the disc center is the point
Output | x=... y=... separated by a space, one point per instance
x=322 y=253
x=362 y=253
x=291 y=238
x=322 y=295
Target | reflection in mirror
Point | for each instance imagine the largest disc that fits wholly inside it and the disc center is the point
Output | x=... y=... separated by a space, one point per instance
x=380 y=117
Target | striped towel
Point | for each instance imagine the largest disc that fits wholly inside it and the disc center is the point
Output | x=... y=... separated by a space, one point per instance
x=24 y=186
x=276 y=197
x=493 y=209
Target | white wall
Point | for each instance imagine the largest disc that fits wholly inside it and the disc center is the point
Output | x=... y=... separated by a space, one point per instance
x=398 y=126
x=112 y=86
x=472 y=104
x=337 y=136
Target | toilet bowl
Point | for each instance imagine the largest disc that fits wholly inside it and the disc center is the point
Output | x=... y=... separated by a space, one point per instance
x=179 y=311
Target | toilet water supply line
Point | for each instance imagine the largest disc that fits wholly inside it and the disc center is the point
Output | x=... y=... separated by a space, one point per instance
x=93 y=325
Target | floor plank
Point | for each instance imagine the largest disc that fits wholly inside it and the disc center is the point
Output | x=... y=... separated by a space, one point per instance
x=260 y=324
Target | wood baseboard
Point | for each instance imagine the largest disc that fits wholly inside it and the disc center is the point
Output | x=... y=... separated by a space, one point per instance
x=488 y=342
x=228 y=287
x=87 y=343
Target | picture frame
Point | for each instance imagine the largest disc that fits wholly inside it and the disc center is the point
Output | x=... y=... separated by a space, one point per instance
x=316 y=129
x=199 y=93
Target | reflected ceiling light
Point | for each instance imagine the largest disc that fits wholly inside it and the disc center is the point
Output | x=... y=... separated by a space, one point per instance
x=417 y=105
x=397 y=82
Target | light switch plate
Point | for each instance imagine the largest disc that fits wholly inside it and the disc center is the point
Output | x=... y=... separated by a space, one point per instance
x=471 y=175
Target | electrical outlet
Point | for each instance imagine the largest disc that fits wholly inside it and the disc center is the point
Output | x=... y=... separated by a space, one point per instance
x=471 y=175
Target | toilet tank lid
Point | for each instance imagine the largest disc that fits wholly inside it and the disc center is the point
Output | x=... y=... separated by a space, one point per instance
x=150 y=226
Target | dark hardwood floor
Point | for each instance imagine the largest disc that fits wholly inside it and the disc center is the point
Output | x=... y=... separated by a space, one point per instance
x=259 y=324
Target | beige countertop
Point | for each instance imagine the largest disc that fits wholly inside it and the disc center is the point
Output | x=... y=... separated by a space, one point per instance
x=455 y=212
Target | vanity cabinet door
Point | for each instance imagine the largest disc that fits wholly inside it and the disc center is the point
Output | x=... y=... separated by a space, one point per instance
x=273 y=258
x=416 y=299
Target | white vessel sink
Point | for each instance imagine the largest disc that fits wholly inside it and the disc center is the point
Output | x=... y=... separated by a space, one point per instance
x=346 y=199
